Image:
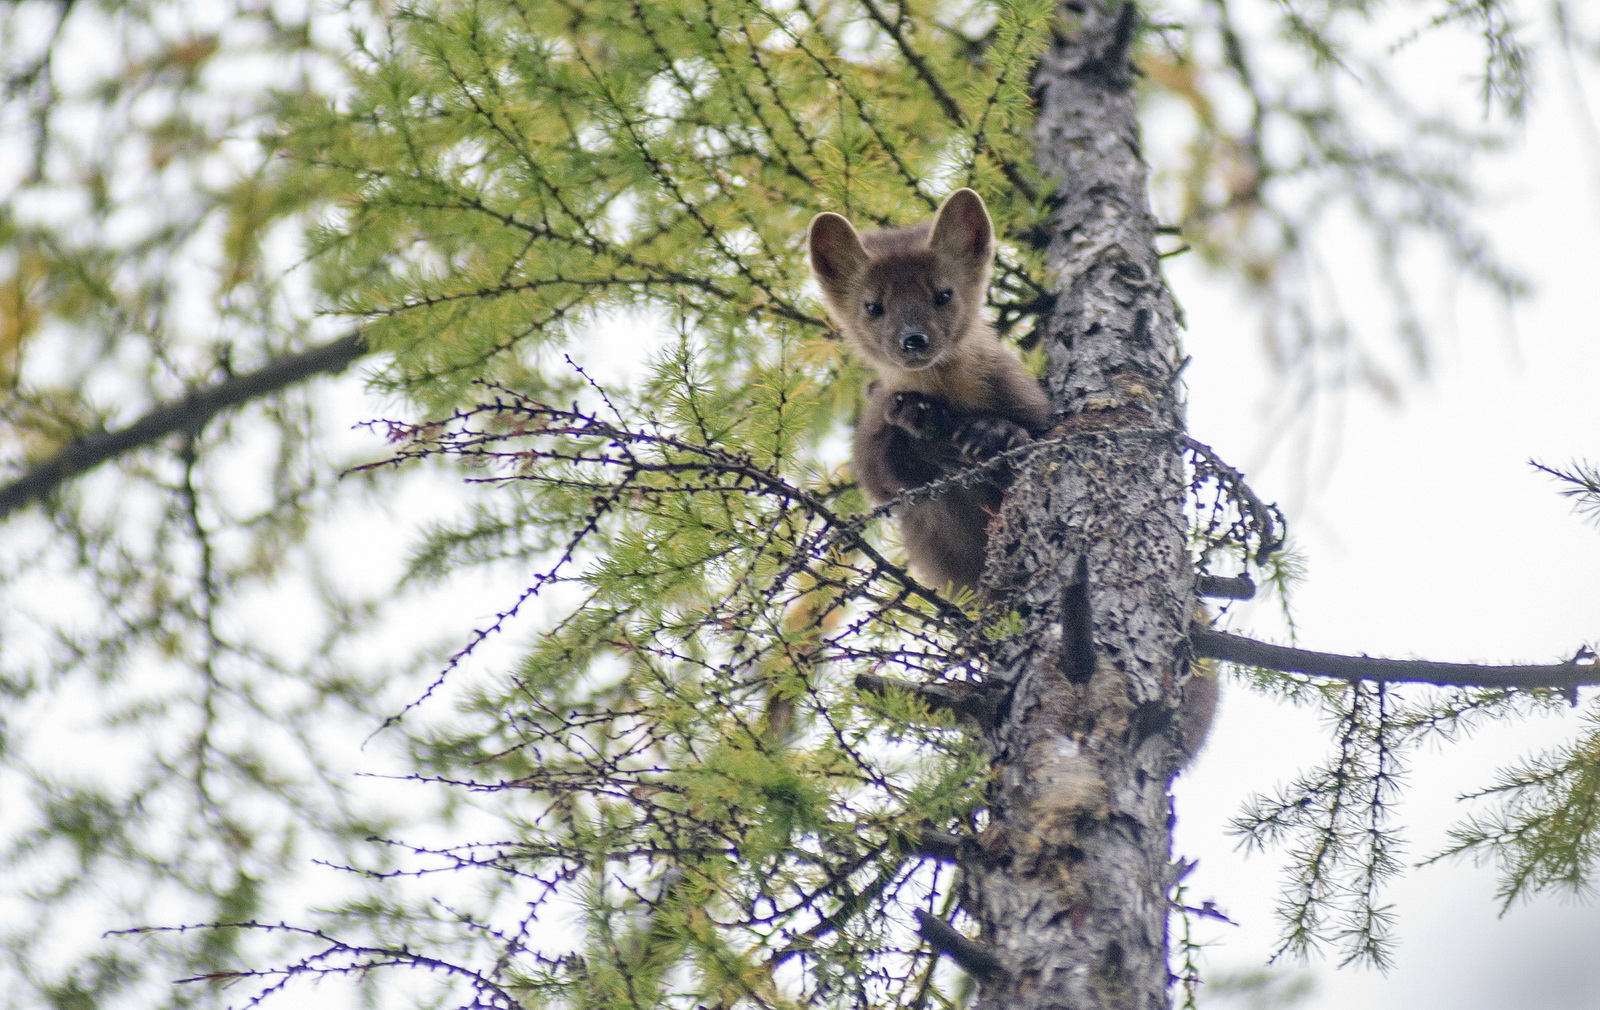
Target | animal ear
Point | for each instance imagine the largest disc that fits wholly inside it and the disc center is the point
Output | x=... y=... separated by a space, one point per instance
x=837 y=255
x=961 y=229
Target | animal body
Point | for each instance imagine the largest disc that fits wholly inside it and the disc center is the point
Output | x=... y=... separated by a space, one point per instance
x=949 y=394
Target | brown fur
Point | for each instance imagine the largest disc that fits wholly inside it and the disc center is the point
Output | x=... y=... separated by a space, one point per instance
x=949 y=393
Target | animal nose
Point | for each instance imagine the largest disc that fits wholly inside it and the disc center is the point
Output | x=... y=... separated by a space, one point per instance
x=914 y=343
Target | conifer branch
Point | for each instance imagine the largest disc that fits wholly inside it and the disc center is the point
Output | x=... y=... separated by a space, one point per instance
x=189 y=414
x=973 y=957
x=940 y=93
x=1213 y=644
x=850 y=906
x=966 y=701
x=825 y=66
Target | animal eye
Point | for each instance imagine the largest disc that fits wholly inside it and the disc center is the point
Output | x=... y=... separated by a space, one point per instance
x=942 y=297
x=874 y=309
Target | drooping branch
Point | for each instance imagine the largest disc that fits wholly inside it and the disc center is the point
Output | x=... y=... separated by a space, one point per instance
x=188 y=414
x=1264 y=519
x=1213 y=644
x=703 y=458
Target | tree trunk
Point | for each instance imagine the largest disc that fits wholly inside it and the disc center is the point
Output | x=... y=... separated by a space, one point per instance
x=1072 y=881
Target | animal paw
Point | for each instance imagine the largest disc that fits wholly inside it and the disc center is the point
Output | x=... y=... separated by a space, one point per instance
x=920 y=415
x=985 y=437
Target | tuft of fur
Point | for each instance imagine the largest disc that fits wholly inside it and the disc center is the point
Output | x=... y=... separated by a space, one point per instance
x=949 y=394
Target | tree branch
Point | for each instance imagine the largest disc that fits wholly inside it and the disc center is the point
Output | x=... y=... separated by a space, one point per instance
x=973 y=957
x=965 y=701
x=935 y=844
x=1261 y=515
x=1221 y=587
x=1236 y=649
x=188 y=414
x=942 y=95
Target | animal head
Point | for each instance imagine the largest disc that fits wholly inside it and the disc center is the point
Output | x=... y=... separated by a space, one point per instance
x=906 y=297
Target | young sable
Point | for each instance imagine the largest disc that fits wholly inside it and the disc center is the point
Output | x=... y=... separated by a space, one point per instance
x=949 y=393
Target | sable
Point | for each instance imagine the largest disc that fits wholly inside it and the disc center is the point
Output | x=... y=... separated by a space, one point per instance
x=949 y=394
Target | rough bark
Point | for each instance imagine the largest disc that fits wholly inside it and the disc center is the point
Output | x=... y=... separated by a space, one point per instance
x=1070 y=884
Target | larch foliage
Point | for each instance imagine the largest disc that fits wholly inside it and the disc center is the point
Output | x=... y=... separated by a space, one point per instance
x=576 y=230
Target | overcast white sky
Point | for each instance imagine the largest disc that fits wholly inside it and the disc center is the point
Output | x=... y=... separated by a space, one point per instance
x=1428 y=535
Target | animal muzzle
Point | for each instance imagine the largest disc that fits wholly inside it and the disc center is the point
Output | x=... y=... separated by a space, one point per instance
x=915 y=343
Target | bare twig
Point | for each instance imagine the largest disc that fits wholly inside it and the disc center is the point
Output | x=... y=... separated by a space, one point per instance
x=1261 y=515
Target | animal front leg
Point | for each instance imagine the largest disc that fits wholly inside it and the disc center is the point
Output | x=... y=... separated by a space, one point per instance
x=921 y=416
x=985 y=436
